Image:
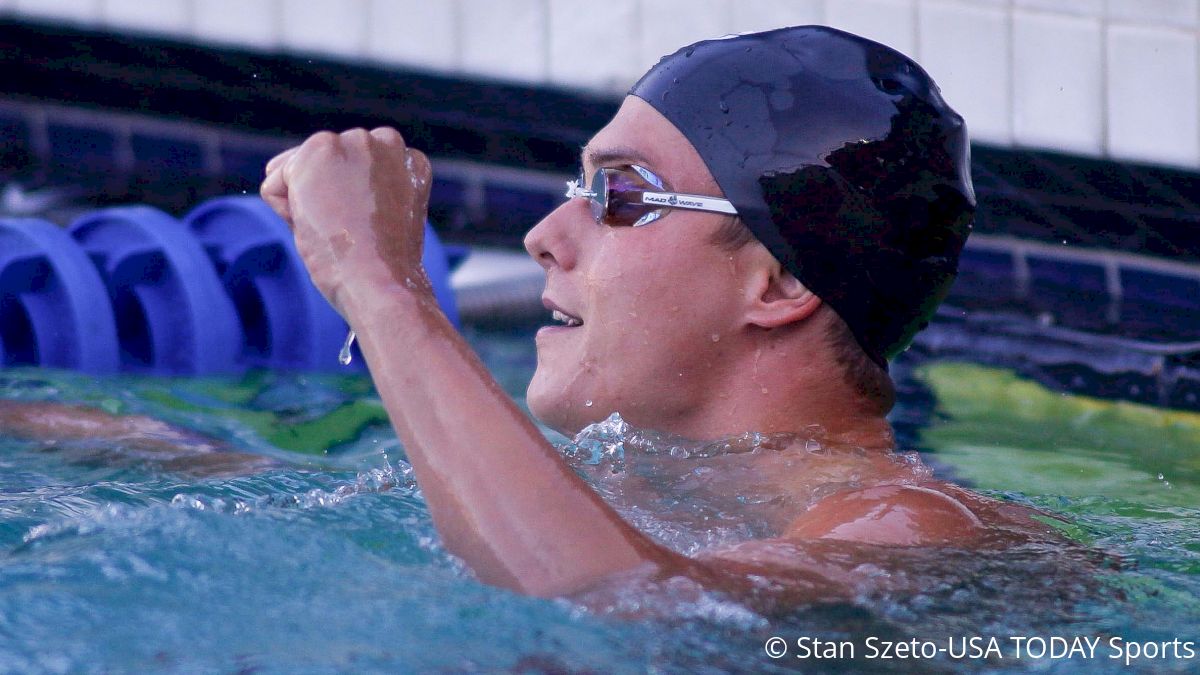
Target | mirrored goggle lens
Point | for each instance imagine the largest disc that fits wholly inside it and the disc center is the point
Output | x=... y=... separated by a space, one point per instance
x=618 y=198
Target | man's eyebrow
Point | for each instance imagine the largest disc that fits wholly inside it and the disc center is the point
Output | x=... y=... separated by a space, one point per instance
x=609 y=156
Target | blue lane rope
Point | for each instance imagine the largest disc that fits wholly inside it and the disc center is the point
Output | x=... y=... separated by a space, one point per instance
x=172 y=314
x=54 y=310
x=286 y=323
x=133 y=289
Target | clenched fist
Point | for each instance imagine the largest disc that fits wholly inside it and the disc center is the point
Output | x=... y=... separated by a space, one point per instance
x=356 y=202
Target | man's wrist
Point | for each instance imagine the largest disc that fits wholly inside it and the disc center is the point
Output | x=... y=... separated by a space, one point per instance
x=371 y=294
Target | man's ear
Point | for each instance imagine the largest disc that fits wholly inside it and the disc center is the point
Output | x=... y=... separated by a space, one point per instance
x=777 y=298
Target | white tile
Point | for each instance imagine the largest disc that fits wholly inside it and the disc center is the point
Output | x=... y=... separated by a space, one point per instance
x=582 y=56
x=758 y=15
x=1058 y=82
x=504 y=40
x=965 y=48
x=249 y=23
x=892 y=22
x=168 y=17
x=1153 y=96
x=1094 y=8
x=1169 y=12
x=420 y=33
x=335 y=27
x=84 y=12
x=667 y=25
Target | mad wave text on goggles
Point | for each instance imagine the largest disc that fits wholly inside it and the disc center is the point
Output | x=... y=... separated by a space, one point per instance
x=635 y=197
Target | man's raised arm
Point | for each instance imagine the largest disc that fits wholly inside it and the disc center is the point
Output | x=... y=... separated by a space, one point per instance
x=499 y=493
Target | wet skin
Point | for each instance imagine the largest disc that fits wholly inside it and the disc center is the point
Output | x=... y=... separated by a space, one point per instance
x=651 y=300
x=678 y=334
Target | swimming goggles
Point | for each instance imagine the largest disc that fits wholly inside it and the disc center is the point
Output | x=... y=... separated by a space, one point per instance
x=635 y=197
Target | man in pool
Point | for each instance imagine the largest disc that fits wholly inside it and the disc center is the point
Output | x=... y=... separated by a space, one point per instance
x=766 y=220
x=764 y=223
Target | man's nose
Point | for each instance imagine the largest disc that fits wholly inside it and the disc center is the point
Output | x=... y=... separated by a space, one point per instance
x=551 y=242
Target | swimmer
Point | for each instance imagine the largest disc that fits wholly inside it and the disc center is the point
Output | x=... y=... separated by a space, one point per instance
x=765 y=222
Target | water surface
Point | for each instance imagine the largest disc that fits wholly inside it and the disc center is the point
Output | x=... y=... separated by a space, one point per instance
x=328 y=562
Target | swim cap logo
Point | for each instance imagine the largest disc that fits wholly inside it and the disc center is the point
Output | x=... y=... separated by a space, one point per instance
x=673 y=200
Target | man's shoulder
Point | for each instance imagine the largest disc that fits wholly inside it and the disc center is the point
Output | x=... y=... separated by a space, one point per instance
x=901 y=515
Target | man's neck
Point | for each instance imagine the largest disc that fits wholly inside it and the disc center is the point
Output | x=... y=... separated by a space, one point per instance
x=780 y=387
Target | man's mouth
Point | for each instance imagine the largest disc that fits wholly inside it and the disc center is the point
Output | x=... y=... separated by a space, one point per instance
x=566 y=318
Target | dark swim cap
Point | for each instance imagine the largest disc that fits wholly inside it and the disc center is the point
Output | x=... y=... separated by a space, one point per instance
x=841 y=157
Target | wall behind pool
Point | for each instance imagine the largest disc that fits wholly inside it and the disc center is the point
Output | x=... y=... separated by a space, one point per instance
x=98 y=106
x=1105 y=78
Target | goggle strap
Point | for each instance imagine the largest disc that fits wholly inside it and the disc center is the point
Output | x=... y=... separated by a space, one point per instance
x=691 y=202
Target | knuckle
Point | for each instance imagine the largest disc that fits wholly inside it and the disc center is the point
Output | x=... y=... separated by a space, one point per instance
x=420 y=163
x=357 y=135
x=387 y=134
x=322 y=138
x=322 y=141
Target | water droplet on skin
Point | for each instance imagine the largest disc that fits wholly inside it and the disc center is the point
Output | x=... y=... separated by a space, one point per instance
x=409 y=282
x=764 y=390
x=716 y=338
x=588 y=403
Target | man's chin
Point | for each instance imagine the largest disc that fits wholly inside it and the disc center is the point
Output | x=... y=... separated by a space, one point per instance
x=556 y=413
x=547 y=410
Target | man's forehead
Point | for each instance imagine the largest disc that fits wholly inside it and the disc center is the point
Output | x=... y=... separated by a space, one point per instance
x=639 y=134
x=629 y=138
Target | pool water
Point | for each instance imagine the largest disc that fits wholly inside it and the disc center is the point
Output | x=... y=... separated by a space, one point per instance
x=328 y=562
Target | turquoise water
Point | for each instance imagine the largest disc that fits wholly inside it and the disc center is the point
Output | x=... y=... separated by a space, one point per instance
x=111 y=561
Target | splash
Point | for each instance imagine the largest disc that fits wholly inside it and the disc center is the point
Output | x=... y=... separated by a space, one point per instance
x=398 y=477
x=693 y=495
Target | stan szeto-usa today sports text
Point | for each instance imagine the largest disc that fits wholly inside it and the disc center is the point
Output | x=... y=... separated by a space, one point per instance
x=985 y=648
